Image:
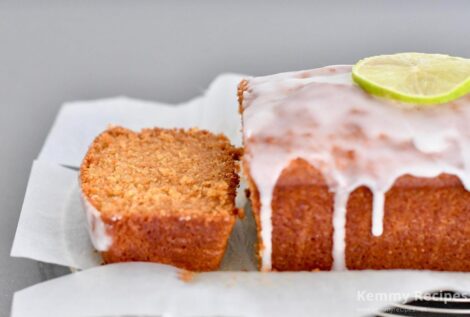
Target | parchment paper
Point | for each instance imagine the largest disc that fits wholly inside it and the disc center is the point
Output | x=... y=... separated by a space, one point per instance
x=142 y=289
x=52 y=229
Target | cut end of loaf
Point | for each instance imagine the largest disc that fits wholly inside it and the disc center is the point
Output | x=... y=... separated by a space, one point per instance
x=162 y=195
x=160 y=171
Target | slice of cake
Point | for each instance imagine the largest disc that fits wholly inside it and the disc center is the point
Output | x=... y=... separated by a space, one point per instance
x=159 y=195
x=341 y=179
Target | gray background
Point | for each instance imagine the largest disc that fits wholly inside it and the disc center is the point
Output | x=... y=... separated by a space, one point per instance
x=56 y=51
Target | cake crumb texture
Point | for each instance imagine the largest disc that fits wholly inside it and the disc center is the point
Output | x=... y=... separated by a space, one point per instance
x=166 y=195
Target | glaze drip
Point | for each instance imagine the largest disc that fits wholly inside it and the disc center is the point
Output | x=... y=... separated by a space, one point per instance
x=352 y=138
x=97 y=229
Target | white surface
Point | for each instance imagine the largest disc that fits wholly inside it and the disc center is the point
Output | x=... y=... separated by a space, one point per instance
x=143 y=289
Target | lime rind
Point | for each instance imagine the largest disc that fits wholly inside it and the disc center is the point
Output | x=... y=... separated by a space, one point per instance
x=459 y=90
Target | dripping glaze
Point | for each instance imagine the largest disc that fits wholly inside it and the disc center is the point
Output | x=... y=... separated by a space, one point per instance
x=354 y=139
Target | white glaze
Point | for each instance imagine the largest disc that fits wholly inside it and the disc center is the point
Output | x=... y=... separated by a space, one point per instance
x=97 y=229
x=354 y=139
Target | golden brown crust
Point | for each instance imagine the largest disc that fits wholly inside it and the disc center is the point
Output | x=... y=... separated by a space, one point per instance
x=426 y=224
x=166 y=196
x=301 y=216
x=197 y=244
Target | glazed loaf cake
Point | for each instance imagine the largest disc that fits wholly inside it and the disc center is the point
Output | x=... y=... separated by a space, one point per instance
x=343 y=180
x=159 y=195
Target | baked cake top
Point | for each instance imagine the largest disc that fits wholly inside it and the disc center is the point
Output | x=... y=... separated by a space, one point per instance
x=353 y=138
x=171 y=172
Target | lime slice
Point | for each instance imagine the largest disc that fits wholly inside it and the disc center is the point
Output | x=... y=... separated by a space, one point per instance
x=417 y=78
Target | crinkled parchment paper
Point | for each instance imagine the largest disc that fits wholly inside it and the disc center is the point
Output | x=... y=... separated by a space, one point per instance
x=52 y=229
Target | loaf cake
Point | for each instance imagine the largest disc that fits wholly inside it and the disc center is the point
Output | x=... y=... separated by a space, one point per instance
x=159 y=195
x=340 y=179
